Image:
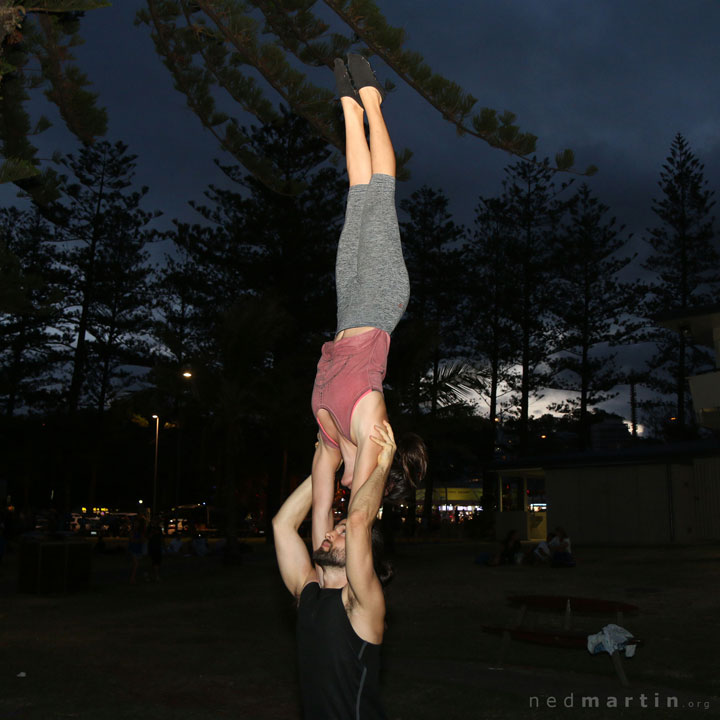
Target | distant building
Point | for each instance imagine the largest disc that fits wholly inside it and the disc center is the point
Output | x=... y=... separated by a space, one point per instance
x=645 y=495
x=619 y=493
x=463 y=496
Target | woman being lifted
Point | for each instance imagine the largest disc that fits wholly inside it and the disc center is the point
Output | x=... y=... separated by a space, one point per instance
x=372 y=293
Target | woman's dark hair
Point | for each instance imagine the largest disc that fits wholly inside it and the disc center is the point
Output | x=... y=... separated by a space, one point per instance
x=408 y=469
x=383 y=569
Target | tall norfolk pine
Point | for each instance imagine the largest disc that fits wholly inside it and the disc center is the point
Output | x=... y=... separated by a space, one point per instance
x=29 y=306
x=534 y=213
x=547 y=302
x=104 y=229
x=593 y=310
x=429 y=335
x=685 y=261
x=491 y=294
x=432 y=326
x=119 y=318
x=262 y=301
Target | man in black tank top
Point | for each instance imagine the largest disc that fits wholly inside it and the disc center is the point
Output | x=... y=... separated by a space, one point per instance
x=341 y=605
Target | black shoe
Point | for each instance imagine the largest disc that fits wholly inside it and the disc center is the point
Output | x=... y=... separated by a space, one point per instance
x=363 y=75
x=343 y=83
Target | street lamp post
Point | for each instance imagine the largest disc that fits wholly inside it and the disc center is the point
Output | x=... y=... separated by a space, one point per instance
x=155 y=474
x=188 y=376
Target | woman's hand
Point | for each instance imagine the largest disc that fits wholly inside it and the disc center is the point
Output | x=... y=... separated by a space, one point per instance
x=386 y=440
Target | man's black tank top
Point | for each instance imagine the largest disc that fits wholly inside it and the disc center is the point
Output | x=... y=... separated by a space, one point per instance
x=339 y=672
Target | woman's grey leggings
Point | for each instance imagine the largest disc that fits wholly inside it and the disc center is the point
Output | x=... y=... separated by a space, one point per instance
x=370 y=274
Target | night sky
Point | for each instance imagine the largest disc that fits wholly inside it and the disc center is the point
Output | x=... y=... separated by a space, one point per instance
x=614 y=80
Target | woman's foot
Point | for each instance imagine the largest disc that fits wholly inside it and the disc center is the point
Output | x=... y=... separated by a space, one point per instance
x=363 y=75
x=343 y=83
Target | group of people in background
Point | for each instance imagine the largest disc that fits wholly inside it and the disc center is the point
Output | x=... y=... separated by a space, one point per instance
x=555 y=551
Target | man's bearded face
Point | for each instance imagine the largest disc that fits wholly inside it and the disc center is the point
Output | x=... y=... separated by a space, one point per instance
x=331 y=552
x=329 y=557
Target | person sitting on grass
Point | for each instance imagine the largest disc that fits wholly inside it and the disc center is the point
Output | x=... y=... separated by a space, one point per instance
x=542 y=552
x=561 y=549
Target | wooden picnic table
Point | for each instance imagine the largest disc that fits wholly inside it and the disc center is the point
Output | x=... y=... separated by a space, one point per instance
x=564 y=638
x=569 y=604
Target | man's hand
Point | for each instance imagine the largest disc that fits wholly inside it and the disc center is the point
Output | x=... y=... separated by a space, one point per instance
x=386 y=440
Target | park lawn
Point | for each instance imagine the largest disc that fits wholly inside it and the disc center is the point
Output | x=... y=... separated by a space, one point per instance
x=211 y=641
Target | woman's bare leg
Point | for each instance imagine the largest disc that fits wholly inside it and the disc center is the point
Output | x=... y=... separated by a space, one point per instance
x=382 y=155
x=357 y=153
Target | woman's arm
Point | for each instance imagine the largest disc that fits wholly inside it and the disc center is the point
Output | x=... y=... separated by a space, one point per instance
x=325 y=463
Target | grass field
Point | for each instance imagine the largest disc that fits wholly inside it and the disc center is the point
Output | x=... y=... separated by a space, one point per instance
x=211 y=641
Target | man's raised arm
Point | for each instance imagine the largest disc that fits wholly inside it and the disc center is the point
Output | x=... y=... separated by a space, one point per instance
x=293 y=558
x=363 y=510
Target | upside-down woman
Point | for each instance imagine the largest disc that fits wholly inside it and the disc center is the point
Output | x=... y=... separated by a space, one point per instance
x=372 y=293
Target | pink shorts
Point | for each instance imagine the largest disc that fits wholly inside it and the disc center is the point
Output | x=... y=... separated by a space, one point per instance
x=348 y=370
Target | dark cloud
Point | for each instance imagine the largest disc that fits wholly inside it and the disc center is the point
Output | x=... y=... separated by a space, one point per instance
x=615 y=81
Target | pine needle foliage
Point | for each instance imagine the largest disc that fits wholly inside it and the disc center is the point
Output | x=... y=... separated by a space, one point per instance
x=594 y=308
x=685 y=261
x=44 y=31
x=249 y=51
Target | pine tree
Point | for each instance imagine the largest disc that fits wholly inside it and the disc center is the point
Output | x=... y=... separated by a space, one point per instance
x=104 y=229
x=535 y=211
x=29 y=307
x=119 y=316
x=492 y=293
x=176 y=299
x=217 y=47
x=179 y=331
x=593 y=310
x=431 y=332
x=262 y=302
x=101 y=232
x=685 y=261
x=118 y=321
x=423 y=375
